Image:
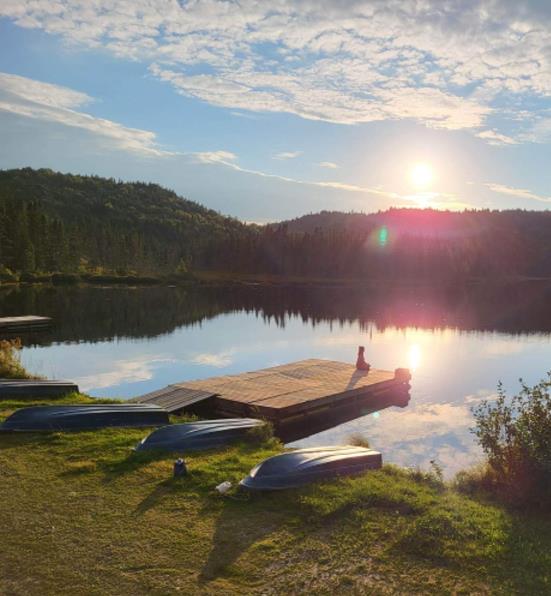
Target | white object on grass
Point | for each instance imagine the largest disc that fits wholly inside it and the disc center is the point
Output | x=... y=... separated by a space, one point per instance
x=224 y=487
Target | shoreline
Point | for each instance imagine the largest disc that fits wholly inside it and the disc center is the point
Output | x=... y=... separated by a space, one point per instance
x=208 y=278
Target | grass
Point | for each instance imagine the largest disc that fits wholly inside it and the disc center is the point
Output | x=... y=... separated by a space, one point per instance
x=82 y=513
x=10 y=360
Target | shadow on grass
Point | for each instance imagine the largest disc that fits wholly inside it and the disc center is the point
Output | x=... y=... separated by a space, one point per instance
x=10 y=439
x=525 y=565
x=133 y=462
x=162 y=490
x=238 y=527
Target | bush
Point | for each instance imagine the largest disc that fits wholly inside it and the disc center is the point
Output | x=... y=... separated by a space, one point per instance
x=433 y=477
x=515 y=435
x=261 y=434
x=7 y=275
x=10 y=360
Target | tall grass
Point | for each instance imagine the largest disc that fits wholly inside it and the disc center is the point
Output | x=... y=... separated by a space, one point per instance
x=10 y=360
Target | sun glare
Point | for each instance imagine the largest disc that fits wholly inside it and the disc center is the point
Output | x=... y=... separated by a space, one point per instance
x=421 y=175
x=414 y=357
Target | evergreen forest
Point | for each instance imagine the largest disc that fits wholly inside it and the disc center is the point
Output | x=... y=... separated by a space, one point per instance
x=62 y=223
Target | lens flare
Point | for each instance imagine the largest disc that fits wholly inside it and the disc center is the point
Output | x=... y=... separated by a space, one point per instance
x=383 y=236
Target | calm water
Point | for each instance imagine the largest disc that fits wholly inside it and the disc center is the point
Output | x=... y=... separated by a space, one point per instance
x=458 y=342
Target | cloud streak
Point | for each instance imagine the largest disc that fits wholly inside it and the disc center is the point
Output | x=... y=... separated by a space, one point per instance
x=287 y=155
x=521 y=193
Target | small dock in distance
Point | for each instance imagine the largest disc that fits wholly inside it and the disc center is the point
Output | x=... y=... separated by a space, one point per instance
x=25 y=323
x=35 y=388
x=286 y=394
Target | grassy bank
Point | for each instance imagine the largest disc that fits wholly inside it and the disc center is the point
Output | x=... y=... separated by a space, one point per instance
x=229 y=278
x=83 y=514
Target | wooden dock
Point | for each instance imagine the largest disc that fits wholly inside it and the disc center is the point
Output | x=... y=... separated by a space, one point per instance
x=284 y=393
x=27 y=323
x=35 y=388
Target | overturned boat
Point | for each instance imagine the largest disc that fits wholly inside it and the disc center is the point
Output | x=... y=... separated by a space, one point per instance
x=304 y=466
x=84 y=417
x=203 y=434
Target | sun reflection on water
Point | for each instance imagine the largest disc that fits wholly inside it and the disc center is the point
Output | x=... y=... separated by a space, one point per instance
x=414 y=357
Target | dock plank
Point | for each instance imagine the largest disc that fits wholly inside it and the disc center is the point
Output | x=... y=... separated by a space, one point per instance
x=175 y=397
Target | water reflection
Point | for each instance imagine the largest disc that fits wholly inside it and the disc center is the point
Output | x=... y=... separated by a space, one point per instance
x=458 y=341
x=414 y=357
x=314 y=425
x=103 y=313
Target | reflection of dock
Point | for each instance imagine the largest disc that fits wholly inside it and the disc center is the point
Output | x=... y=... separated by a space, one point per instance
x=288 y=394
x=27 y=323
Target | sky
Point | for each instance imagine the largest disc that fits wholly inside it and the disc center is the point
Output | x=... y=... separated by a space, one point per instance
x=269 y=110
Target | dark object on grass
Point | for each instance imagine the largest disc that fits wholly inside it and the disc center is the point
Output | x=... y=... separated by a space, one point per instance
x=36 y=388
x=84 y=417
x=180 y=468
x=204 y=434
x=304 y=466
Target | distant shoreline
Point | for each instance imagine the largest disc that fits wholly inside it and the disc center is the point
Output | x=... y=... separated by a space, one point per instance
x=208 y=278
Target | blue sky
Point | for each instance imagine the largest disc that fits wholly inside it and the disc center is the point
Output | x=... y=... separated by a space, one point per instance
x=271 y=110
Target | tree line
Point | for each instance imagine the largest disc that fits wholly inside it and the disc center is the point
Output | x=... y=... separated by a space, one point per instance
x=53 y=222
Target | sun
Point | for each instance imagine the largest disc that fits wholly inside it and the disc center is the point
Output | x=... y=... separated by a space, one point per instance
x=421 y=175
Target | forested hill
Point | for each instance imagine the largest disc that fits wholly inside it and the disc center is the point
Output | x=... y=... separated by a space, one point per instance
x=59 y=222
x=51 y=222
x=427 y=222
x=436 y=244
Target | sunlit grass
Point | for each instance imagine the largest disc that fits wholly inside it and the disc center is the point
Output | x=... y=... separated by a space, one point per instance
x=83 y=513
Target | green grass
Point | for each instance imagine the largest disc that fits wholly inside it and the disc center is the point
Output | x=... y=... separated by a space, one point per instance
x=82 y=513
x=10 y=360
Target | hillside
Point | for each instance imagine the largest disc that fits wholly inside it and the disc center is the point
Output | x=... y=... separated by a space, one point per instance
x=53 y=221
x=428 y=223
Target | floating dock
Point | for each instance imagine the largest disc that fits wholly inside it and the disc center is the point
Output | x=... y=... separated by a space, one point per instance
x=27 y=323
x=35 y=388
x=286 y=394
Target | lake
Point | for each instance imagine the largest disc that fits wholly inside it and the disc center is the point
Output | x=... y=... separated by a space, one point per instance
x=458 y=341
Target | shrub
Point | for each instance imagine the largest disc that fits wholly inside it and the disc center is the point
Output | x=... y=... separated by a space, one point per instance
x=7 y=274
x=261 y=434
x=515 y=435
x=10 y=360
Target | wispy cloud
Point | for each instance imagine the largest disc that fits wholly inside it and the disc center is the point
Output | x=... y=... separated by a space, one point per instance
x=222 y=157
x=446 y=64
x=521 y=193
x=328 y=164
x=287 y=155
x=495 y=138
x=229 y=159
x=53 y=103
